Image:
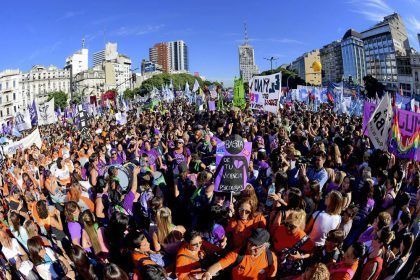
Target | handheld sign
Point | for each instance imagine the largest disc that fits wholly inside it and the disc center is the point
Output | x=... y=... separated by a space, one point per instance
x=232 y=160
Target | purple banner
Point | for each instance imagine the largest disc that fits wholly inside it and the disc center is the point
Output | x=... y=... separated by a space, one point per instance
x=232 y=161
x=408 y=121
x=212 y=106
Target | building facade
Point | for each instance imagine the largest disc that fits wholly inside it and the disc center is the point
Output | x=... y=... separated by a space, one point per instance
x=90 y=82
x=11 y=96
x=40 y=81
x=386 y=46
x=353 y=55
x=178 y=53
x=332 y=62
x=415 y=72
x=117 y=68
x=247 y=67
x=303 y=67
x=150 y=67
x=159 y=55
x=79 y=61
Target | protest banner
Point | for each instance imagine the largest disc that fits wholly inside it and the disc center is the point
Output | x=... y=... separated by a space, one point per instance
x=264 y=92
x=408 y=122
x=45 y=113
x=409 y=149
x=24 y=143
x=380 y=123
x=232 y=160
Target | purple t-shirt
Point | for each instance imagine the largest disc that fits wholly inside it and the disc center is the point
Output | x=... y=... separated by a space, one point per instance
x=75 y=230
x=180 y=158
x=128 y=202
x=153 y=156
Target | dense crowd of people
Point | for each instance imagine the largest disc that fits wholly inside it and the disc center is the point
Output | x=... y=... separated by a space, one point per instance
x=138 y=201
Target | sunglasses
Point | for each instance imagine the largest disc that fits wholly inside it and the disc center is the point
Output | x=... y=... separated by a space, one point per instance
x=246 y=211
x=113 y=154
x=289 y=226
x=197 y=244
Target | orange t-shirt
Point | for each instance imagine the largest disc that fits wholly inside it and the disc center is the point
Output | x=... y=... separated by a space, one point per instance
x=241 y=230
x=187 y=263
x=137 y=257
x=250 y=267
x=282 y=239
x=342 y=271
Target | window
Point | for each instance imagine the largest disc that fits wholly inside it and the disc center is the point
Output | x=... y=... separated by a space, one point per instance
x=7 y=85
x=7 y=110
x=14 y=96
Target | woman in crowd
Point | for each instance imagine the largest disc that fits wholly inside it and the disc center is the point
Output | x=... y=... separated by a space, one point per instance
x=168 y=237
x=246 y=219
x=325 y=221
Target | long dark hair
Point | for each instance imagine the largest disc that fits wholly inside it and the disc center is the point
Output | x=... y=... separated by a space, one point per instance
x=82 y=263
x=35 y=245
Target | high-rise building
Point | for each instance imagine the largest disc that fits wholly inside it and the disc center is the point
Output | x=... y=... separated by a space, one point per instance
x=109 y=53
x=415 y=68
x=170 y=56
x=178 y=52
x=387 y=52
x=159 y=54
x=418 y=38
x=247 y=67
x=353 y=55
x=117 y=68
x=303 y=67
x=332 y=62
x=79 y=60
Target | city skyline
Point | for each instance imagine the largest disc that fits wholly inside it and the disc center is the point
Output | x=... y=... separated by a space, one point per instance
x=213 y=31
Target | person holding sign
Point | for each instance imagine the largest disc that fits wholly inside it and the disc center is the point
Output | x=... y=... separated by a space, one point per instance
x=232 y=170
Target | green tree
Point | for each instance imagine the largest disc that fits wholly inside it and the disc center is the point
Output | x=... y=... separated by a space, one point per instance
x=178 y=81
x=129 y=94
x=292 y=82
x=60 y=99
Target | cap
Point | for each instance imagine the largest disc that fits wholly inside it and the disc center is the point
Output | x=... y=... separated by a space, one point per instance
x=259 y=236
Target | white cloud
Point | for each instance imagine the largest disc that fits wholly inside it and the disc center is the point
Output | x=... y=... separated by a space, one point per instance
x=413 y=24
x=70 y=14
x=136 y=31
x=373 y=10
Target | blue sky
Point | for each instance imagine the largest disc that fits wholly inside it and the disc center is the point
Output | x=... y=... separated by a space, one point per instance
x=46 y=32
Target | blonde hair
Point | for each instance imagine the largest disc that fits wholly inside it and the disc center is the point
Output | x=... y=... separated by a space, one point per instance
x=90 y=227
x=164 y=223
x=297 y=218
x=335 y=203
x=318 y=271
x=5 y=239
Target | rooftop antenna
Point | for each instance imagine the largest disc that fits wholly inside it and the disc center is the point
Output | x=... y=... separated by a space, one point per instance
x=246 y=34
x=83 y=42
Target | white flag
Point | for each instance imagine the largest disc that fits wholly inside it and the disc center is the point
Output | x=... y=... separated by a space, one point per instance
x=196 y=86
x=46 y=114
x=23 y=120
x=380 y=122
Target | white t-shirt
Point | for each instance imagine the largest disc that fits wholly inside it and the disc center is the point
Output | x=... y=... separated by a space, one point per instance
x=323 y=224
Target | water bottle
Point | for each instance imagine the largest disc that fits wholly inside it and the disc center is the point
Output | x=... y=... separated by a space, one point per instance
x=271 y=190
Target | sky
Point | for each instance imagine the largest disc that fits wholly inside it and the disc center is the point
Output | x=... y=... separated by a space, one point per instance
x=46 y=32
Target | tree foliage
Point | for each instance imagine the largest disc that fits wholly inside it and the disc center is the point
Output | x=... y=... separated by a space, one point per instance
x=294 y=79
x=178 y=82
x=60 y=99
